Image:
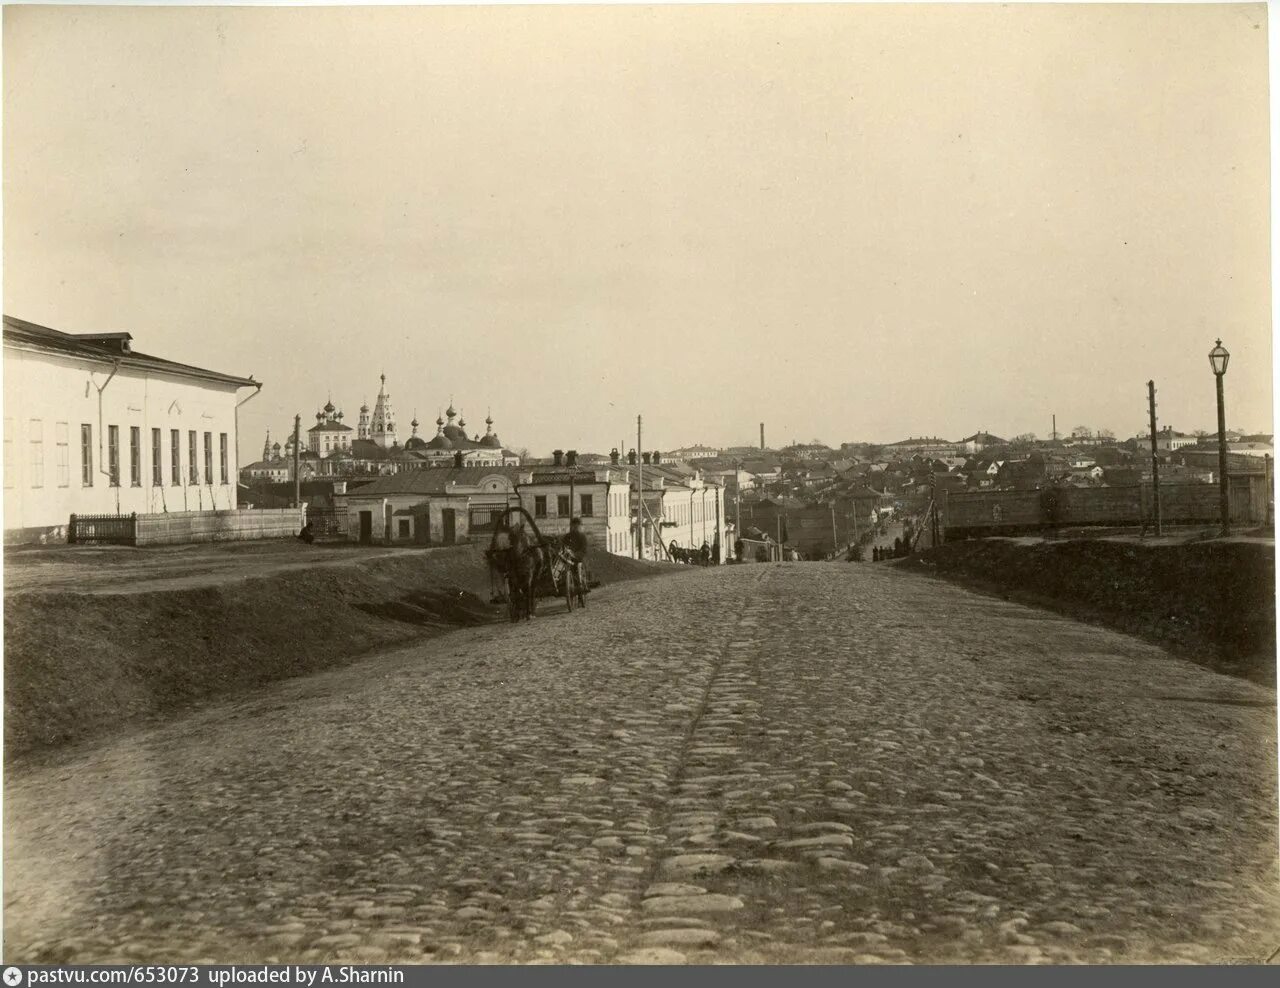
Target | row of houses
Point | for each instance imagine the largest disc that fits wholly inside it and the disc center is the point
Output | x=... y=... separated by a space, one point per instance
x=675 y=507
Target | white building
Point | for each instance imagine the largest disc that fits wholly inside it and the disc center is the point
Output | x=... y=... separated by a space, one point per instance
x=694 y=452
x=93 y=427
x=556 y=494
x=444 y=506
x=1169 y=441
x=678 y=510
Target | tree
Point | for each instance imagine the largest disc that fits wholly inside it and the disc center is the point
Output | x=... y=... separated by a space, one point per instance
x=1025 y=439
x=1106 y=434
x=1082 y=432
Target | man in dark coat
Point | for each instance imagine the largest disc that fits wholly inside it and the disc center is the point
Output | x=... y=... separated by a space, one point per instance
x=577 y=543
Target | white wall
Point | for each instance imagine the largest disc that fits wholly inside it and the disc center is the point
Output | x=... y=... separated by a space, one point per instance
x=47 y=398
x=694 y=514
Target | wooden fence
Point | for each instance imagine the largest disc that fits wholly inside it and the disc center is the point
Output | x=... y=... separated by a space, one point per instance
x=1013 y=512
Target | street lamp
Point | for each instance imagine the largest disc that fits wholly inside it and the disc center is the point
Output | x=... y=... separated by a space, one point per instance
x=1218 y=358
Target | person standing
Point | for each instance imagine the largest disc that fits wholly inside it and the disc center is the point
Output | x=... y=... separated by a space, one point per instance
x=577 y=543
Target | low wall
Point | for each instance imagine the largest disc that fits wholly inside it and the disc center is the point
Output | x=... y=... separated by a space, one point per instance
x=219 y=526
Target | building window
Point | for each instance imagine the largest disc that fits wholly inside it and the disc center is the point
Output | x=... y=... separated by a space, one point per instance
x=86 y=455
x=36 y=435
x=8 y=452
x=540 y=506
x=135 y=456
x=208 y=458
x=588 y=505
x=222 y=456
x=562 y=505
x=62 y=437
x=193 y=459
x=157 y=457
x=113 y=455
x=175 y=457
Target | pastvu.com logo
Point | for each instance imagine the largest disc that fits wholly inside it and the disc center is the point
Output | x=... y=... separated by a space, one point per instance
x=12 y=977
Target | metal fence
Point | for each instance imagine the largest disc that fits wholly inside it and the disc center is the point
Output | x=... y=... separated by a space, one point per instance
x=103 y=529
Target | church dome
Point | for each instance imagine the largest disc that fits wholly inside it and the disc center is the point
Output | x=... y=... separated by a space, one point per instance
x=455 y=433
x=328 y=407
x=439 y=441
x=415 y=442
x=490 y=439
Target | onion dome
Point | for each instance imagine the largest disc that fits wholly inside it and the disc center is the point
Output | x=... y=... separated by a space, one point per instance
x=490 y=440
x=364 y=408
x=328 y=407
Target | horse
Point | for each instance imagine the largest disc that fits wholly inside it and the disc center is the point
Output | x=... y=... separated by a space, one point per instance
x=518 y=564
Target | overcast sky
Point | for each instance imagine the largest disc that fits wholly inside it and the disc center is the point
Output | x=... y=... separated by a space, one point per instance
x=848 y=222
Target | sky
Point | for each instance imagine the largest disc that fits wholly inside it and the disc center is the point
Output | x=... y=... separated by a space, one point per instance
x=847 y=222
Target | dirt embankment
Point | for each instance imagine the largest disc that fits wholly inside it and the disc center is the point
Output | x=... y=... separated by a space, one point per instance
x=1213 y=602
x=78 y=665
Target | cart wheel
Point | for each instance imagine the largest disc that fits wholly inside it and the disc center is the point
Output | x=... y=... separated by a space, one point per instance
x=568 y=589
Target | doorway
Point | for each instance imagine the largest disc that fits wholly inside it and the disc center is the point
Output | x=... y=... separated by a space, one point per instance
x=366 y=527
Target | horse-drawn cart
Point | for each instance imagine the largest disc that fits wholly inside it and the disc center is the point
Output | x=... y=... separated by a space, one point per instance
x=524 y=567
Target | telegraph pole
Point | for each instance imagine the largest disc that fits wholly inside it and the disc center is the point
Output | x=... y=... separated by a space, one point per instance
x=297 y=476
x=1155 y=455
x=640 y=483
x=835 y=537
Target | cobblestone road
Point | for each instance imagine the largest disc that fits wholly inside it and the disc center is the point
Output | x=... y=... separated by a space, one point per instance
x=808 y=762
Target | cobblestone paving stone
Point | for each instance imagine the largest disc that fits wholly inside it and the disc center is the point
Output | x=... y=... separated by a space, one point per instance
x=796 y=763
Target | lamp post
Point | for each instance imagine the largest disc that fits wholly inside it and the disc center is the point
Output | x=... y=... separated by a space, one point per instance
x=1218 y=358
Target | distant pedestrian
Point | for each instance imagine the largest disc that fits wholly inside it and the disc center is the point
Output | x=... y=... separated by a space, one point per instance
x=306 y=534
x=897 y=548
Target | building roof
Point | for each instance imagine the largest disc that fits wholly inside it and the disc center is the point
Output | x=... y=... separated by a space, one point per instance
x=107 y=348
x=330 y=426
x=436 y=480
x=367 y=449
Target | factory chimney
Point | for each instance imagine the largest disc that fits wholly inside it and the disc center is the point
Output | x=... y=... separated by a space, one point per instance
x=762 y=435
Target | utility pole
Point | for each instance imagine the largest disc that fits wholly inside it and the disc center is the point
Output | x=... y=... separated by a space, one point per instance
x=835 y=537
x=640 y=483
x=1055 y=428
x=1155 y=454
x=297 y=476
x=737 y=502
